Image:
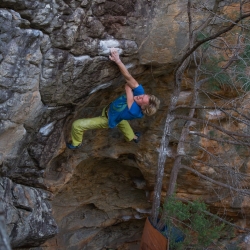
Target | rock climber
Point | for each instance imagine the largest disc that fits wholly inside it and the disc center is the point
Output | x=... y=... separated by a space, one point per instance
x=134 y=104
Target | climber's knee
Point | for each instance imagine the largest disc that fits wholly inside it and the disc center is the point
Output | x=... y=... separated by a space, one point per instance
x=76 y=124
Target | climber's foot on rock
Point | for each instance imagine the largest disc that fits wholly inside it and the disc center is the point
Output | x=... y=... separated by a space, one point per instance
x=70 y=146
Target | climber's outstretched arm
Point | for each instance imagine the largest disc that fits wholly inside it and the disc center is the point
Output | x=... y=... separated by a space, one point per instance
x=132 y=83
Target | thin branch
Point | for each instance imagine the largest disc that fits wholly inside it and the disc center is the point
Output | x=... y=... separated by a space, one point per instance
x=190 y=24
x=216 y=216
x=215 y=157
x=212 y=125
x=222 y=167
x=209 y=19
x=219 y=140
x=241 y=191
x=200 y=107
x=236 y=118
x=245 y=116
x=198 y=44
x=222 y=110
x=223 y=18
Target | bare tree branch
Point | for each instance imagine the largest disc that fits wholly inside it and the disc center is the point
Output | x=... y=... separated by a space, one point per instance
x=180 y=153
x=209 y=19
x=198 y=44
x=189 y=23
x=222 y=110
x=241 y=191
x=216 y=216
x=222 y=167
x=200 y=107
x=212 y=125
x=220 y=140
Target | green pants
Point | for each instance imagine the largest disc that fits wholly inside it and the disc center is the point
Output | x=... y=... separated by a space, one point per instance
x=81 y=125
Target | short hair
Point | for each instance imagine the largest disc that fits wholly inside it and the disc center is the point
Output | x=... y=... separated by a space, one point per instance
x=152 y=107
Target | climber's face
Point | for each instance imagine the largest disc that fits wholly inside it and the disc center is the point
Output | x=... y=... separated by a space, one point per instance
x=142 y=100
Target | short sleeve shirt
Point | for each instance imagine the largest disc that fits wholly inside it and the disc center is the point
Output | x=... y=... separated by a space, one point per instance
x=118 y=109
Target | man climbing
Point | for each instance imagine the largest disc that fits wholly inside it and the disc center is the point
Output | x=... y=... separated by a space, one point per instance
x=134 y=104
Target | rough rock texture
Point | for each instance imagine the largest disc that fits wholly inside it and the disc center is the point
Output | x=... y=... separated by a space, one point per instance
x=4 y=237
x=54 y=68
x=27 y=214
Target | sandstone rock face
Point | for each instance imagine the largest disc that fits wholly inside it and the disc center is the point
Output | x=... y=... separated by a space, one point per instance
x=54 y=68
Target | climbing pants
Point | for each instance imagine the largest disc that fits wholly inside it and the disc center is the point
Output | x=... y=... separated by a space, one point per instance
x=81 y=125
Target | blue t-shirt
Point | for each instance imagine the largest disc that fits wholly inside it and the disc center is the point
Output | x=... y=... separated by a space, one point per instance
x=118 y=109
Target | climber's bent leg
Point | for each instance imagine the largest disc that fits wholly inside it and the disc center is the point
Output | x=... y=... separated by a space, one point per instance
x=81 y=125
x=126 y=129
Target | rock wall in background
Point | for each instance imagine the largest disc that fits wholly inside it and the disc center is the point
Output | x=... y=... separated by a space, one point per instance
x=54 y=68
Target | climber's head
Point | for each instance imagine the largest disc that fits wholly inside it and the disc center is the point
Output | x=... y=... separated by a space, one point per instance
x=148 y=103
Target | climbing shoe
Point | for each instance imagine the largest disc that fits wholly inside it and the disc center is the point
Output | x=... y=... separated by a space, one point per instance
x=70 y=146
x=138 y=137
